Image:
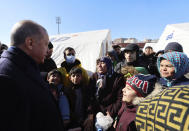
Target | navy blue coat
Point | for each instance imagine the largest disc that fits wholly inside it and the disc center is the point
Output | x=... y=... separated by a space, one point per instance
x=26 y=102
x=181 y=81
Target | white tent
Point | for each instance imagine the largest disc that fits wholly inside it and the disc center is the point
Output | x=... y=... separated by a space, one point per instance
x=175 y=33
x=88 y=46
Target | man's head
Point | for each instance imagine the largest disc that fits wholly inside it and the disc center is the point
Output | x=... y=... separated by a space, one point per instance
x=50 y=50
x=159 y=53
x=148 y=50
x=75 y=75
x=117 y=49
x=54 y=77
x=104 y=65
x=3 y=47
x=32 y=38
x=173 y=46
x=111 y=55
x=138 y=86
x=69 y=55
x=131 y=52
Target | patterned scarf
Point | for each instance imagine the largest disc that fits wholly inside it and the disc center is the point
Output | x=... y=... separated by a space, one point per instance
x=180 y=62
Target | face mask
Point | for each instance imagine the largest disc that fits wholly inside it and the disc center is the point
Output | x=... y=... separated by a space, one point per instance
x=70 y=59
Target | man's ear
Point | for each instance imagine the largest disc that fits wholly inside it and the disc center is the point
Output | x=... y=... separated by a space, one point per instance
x=29 y=43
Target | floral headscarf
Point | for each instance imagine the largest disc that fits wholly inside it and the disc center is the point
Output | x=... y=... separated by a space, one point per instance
x=179 y=60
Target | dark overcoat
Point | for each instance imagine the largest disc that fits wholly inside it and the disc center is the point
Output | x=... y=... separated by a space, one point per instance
x=110 y=97
x=26 y=102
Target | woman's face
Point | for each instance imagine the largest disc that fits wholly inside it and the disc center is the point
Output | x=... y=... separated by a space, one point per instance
x=167 y=70
x=101 y=68
x=128 y=94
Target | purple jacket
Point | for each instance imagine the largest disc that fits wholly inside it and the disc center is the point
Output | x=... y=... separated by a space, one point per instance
x=126 y=117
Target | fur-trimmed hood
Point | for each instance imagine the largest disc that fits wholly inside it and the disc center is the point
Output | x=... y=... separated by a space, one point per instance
x=157 y=89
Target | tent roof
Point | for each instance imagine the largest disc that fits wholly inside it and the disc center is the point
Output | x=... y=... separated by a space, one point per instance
x=88 y=46
x=181 y=26
x=174 y=33
x=99 y=34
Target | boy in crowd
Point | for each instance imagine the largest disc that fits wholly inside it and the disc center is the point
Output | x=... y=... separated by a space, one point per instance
x=54 y=78
x=77 y=98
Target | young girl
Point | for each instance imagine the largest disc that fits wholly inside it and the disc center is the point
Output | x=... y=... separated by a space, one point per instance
x=138 y=86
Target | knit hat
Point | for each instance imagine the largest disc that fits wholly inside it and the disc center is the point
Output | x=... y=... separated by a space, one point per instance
x=132 y=47
x=142 y=84
x=174 y=46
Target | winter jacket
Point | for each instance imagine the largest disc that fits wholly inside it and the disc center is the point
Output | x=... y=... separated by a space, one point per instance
x=120 y=65
x=65 y=68
x=78 y=103
x=48 y=65
x=126 y=117
x=167 y=110
x=26 y=102
x=127 y=113
x=63 y=104
x=181 y=81
x=109 y=98
x=149 y=62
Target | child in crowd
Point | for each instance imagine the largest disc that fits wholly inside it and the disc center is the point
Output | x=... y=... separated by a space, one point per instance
x=137 y=87
x=77 y=97
x=54 y=78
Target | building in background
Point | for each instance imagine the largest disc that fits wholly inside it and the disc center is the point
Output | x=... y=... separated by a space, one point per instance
x=123 y=42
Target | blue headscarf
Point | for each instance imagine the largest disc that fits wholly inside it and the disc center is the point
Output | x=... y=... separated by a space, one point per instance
x=180 y=62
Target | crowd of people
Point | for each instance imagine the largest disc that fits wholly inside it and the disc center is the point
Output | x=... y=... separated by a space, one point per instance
x=36 y=95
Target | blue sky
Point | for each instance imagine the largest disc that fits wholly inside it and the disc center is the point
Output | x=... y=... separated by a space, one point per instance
x=125 y=18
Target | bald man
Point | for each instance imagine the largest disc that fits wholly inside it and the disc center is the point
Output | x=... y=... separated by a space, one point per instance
x=26 y=103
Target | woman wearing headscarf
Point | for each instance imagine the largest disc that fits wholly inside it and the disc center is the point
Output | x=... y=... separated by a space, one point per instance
x=169 y=104
x=172 y=67
x=105 y=88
